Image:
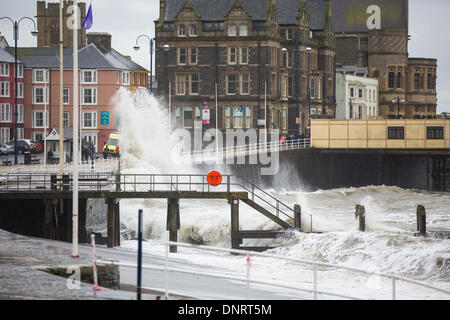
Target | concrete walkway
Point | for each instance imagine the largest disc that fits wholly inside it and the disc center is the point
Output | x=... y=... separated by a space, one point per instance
x=20 y=258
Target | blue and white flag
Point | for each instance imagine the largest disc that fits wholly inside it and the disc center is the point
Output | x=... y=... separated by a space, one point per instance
x=89 y=20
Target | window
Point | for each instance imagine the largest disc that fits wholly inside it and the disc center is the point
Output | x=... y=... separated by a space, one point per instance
x=19 y=89
x=248 y=117
x=20 y=113
x=232 y=52
x=126 y=78
x=193 y=30
x=352 y=92
x=238 y=116
x=40 y=95
x=418 y=81
x=181 y=55
x=182 y=30
x=6 y=113
x=118 y=77
x=198 y=113
x=188 y=117
x=5 y=135
x=245 y=84
x=20 y=71
x=38 y=119
x=289 y=34
x=4 y=70
x=313 y=89
x=290 y=86
x=194 y=83
x=193 y=55
x=284 y=119
x=360 y=93
x=391 y=80
x=89 y=76
x=65 y=119
x=232 y=30
x=396 y=133
x=243 y=30
x=4 y=89
x=244 y=55
x=435 y=133
x=38 y=136
x=89 y=119
x=40 y=76
x=66 y=92
x=89 y=96
x=231 y=83
x=180 y=84
x=20 y=133
x=227 y=117
x=399 y=80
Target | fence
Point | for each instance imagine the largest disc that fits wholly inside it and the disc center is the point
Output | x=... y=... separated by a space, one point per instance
x=314 y=291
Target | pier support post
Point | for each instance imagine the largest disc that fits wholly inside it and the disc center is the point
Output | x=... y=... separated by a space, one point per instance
x=421 y=220
x=117 y=222
x=298 y=217
x=360 y=213
x=173 y=221
x=235 y=242
x=111 y=225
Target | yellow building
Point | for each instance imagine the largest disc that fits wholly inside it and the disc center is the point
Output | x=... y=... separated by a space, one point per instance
x=380 y=134
x=139 y=79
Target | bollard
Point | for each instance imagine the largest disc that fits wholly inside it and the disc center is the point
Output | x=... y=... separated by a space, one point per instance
x=421 y=220
x=298 y=217
x=360 y=213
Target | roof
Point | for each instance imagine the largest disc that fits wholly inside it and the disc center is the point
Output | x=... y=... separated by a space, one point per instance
x=5 y=56
x=89 y=57
x=53 y=135
x=348 y=15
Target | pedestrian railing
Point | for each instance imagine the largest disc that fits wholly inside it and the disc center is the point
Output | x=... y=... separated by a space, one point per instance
x=248 y=149
x=249 y=279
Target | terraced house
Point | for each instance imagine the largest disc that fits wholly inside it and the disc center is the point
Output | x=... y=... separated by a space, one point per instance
x=272 y=62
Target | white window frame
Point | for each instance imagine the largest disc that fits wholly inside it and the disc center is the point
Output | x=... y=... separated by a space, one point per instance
x=182 y=31
x=94 y=95
x=241 y=54
x=20 y=133
x=236 y=82
x=44 y=119
x=20 y=71
x=230 y=55
x=243 y=32
x=91 y=73
x=4 y=89
x=20 y=87
x=191 y=33
x=6 y=113
x=191 y=55
x=126 y=78
x=45 y=95
x=241 y=84
x=20 y=113
x=93 y=120
x=232 y=30
x=66 y=119
x=44 y=75
x=198 y=84
x=185 y=56
x=68 y=95
x=5 y=134
x=4 y=69
x=180 y=84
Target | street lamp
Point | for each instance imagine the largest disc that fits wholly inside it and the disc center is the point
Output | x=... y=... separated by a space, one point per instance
x=34 y=33
x=308 y=51
x=137 y=47
x=166 y=48
x=398 y=101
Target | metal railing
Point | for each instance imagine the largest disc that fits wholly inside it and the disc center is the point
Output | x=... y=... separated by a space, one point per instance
x=248 y=279
x=249 y=149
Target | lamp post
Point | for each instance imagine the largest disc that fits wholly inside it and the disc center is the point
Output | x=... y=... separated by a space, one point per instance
x=398 y=101
x=166 y=48
x=136 y=47
x=308 y=51
x=34 y=33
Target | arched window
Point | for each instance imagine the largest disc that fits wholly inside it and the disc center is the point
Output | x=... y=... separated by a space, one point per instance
x=53 y=33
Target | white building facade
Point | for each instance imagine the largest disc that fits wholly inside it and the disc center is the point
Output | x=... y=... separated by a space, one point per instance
x=356 y=97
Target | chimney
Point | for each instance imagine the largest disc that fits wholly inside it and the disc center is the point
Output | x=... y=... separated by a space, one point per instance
x=101 y=39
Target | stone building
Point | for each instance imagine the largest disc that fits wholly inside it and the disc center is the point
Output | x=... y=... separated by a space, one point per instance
x=48 y=24
x=383 y=50
x=256 y=53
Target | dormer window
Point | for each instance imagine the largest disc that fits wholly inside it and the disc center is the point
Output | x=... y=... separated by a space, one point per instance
x=182 y=30
x=232 y=30
x=193 y=30
x=243 y=30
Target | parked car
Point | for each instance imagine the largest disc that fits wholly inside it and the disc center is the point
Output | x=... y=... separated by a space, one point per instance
x=22 y=146
x=9 y=148
x=3 y=149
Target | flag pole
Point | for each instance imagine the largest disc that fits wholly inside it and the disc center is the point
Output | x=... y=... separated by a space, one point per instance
x=75 y=136
x=61 y=92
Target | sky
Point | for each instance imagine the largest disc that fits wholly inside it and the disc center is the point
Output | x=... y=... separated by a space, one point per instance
x=126 y=20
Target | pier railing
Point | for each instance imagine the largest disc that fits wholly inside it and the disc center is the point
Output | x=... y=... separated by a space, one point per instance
x=248 y=279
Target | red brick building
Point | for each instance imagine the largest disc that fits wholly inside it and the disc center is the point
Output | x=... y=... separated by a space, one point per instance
x=7 y=98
